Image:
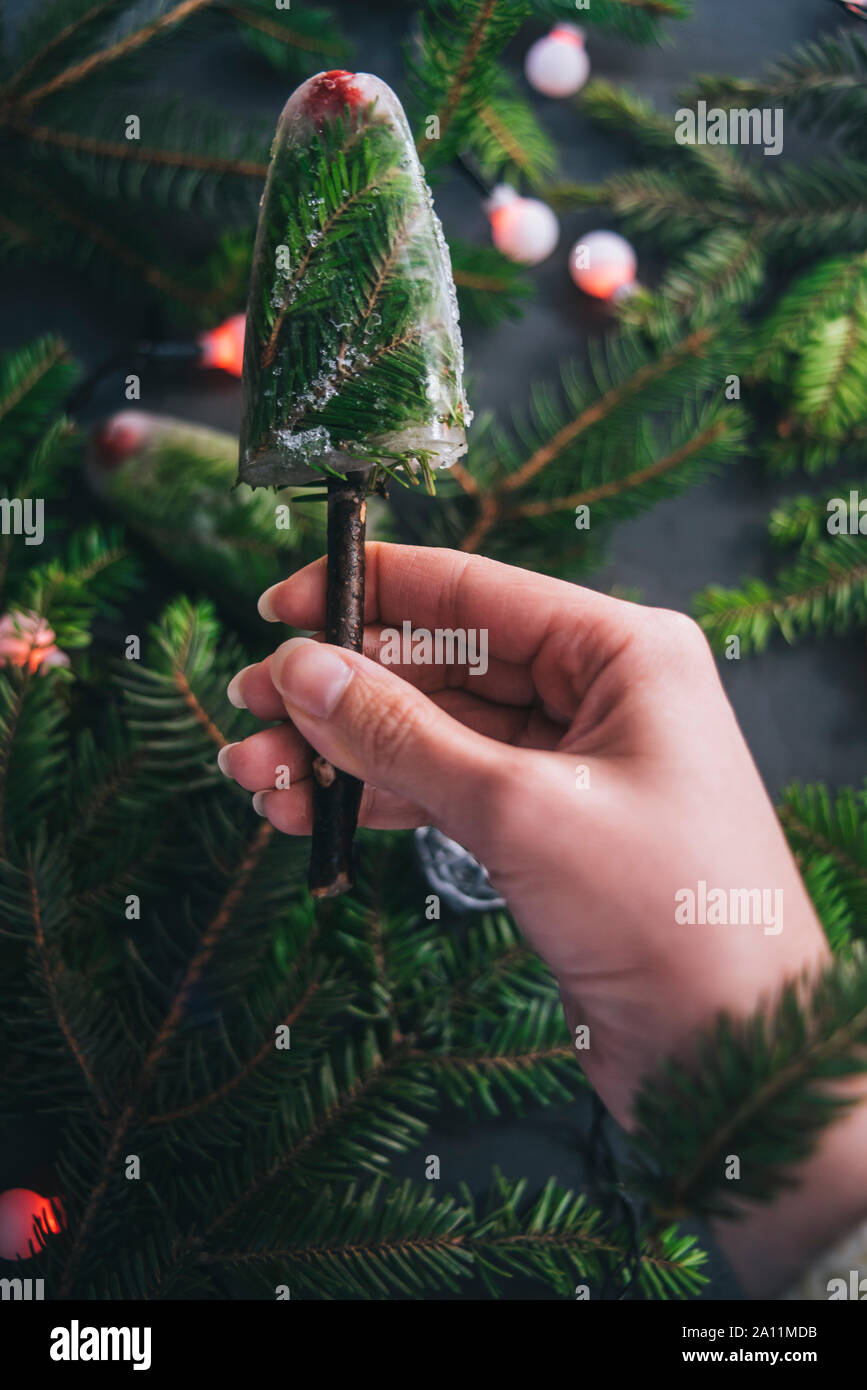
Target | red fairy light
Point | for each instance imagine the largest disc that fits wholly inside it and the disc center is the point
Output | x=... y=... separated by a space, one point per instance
x=119 y=438
x=19 y=1210
x=27 y=640
x=223 y=346
x=568 y=33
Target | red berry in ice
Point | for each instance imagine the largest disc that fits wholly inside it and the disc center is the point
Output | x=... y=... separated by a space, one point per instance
x=329 y=94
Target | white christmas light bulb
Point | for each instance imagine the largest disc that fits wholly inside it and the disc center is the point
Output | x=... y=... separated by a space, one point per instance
x=557 y=65
x=524 y=229
x=603 y=265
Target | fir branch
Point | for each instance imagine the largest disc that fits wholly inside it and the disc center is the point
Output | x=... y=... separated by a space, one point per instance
x=636 y=20
x=803 y=520
x=490 y=287
x=494 y=504
x=507 y=139
x=151 y=274
x=313 y=41
x=44 y=356
x=822 y=827
x=43 y=47
x=132 y=152
x=52 y=970
x=338 y=211
x=158 y=1048
x=795 y=210
x=380 y=1241
x=725 y=270
x=822 y=83
x=691 y=346
x=244 y=1072
x=11 y=717
x=77 y=72
x=201 y=716
x=455 y=93
x=759 y=1088
x=617 y=486
x=825 y=590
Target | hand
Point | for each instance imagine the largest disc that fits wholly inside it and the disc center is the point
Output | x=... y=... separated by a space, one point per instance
x=596 y=769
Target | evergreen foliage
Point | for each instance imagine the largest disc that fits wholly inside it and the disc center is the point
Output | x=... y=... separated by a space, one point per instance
x=155 y=1034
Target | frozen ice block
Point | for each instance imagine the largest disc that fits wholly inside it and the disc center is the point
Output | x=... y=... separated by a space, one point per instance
x=353 y=351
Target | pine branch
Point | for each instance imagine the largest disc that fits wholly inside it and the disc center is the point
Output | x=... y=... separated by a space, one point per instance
x=639 y=21
x=52 y=969
x=725 y=270
x=453 y=67
x=647 y=375
x=713 y=169
x=132 y=152
x=157 y=1050
x=380 y=1242
x=616 y=487
x=822 y=84
x=508 y=141
x=284 y=36
x=77 y=72
x=824 y=591
x=33 y=382
x=490 y=287
x=759 y=1089
x=795 y=211
x=830 y=832
x=196 y=289
x=609 y=410
x=803 y=520
x=53 y=28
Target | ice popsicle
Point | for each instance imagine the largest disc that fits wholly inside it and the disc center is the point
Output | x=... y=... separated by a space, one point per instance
x=353 y=351
x=353 y=364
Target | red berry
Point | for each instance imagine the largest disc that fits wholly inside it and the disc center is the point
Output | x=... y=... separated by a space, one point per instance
x=329 y=94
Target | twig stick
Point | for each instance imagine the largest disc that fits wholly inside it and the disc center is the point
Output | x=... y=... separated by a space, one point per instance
x=336 y=795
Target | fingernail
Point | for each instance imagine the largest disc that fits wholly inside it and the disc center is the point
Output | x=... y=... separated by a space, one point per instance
x=266 y=605
x=233 y=689
x=310 y=676
x=223 y=755
x=259 y=803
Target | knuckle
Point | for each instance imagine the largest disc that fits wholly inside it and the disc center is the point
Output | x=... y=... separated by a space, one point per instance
x=677 y=632
x=389 y=727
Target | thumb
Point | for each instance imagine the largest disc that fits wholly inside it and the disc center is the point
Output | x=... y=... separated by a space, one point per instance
x=376 y=726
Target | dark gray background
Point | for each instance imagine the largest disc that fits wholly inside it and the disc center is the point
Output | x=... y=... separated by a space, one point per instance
x=801 y=709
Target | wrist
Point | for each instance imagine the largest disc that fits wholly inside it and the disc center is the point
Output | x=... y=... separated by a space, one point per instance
x=769 y=1247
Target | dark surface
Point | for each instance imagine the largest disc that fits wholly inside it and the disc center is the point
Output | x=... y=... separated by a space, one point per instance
x=802 y=709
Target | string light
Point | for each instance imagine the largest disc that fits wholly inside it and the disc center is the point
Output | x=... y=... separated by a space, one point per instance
x=223 y=346
x=524 y=229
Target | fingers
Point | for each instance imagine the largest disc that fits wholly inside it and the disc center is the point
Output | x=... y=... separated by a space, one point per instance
x=281 y=754
x=291 y=811
x=490 y=678
x=271 y=757
x=253 y=689
x=369 y=722
x=447 y=588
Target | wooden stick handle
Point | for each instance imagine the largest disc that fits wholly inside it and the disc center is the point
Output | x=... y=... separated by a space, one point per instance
x=336 y=795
